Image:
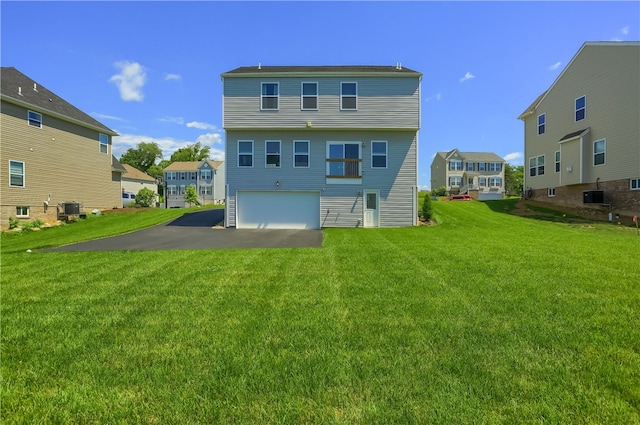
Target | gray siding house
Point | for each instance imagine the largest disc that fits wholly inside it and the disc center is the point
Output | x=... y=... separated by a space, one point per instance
x=206 y=176
x=582 y=135
x=321 y=146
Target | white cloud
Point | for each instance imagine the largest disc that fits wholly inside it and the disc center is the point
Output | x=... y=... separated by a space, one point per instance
x=514 y=158
x=435 y=97
x=468 y=76
x=130 y=80
x=168 y=77
x=174 y=120
x=168 y=145
x=625 y=30
x=99 y=116
x=555 y=66
x=201 y=125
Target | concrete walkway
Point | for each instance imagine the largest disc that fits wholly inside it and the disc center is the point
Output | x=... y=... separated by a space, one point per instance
x=198 y=230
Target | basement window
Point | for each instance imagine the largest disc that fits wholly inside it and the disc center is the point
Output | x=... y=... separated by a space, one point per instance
x=22 y=212
x=634 y=184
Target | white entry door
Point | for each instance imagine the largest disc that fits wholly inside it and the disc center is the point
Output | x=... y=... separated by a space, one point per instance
x=371 y=208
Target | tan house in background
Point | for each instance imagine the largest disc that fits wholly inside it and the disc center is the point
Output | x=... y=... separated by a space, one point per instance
x=53 y=154
x=479 y=174
x=582 y=135
x=207 y=176
x=133 y=180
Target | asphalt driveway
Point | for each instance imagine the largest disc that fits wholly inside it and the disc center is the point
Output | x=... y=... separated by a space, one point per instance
x=198 y=230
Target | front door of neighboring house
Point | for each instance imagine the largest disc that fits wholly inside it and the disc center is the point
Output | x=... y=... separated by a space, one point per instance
x=371 y=208
x=470 y=181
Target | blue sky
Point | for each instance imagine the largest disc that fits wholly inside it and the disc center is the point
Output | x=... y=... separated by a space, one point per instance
x=151 y=70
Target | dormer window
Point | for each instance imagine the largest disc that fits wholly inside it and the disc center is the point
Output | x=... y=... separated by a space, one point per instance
x=269 y=97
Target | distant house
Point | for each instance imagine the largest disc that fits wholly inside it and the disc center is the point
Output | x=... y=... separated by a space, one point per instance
x=479 y=174
x=207 y=176
x=321 y=146
x=53 y=154
x=133 y=180
x=582 y=135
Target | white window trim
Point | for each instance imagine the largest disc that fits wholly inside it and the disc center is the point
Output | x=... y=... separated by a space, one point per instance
x=172 y=190
x=544 y=115
x=480 y=181
x=303 y=96
x=262 y=96
x=537 y=165
x=492 y=180
x=604 y=153
x=308 y=154
x=551 y=192
x=557 y=158
x=205 y=174
x=342 y=96
x=18 y=215
x=344 y=180
x=24 y=174
x=245 y=153
x=575 y=108
x=101 y=144
x=637 y=184
x=266 y=142
x=29 y=119
x=456 y=161
x=386 y=154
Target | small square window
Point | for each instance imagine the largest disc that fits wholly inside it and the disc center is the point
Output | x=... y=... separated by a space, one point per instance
x=634 y=184
x=551 y=192
x=22 y=211
x=35 y=119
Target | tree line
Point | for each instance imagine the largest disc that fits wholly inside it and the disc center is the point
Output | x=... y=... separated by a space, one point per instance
x=147 y=157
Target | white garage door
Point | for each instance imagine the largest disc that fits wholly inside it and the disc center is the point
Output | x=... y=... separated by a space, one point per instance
x=277 y=210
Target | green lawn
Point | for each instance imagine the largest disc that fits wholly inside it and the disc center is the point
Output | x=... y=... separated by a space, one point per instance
x=485 y=318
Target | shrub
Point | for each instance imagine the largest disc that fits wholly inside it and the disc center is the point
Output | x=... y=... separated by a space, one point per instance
x=425 y=211
x=145 y=197
x=13 y=222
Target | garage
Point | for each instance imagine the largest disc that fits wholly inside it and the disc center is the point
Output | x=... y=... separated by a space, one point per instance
x=277 y=210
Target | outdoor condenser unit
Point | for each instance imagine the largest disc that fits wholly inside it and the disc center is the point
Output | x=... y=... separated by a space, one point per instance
x=71 y=208
x=593 y=197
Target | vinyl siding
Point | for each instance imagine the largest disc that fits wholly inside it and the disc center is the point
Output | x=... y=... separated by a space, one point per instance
x=387 y=102
x=341 y=204
x=60 y=158
x=608 y=76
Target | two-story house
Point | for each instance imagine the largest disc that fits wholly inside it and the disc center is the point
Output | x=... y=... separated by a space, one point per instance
x=321 y=146
x=479 y=174
x=53 y=154
x=582 y=135
x=207 y=176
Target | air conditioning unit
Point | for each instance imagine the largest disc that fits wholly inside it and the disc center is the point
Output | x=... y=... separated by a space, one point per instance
x=593 y=197
x=71 y=208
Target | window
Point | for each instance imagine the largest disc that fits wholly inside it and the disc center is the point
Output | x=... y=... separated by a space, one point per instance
x=471 y=166
x=170 y=175
x=482 y=166
x=16 y=174
x=104 y=143
x=245 y=153
x=205 y=190
x=557 y=161
x=348 y=96
x=551 y=192
x=269 y=97
x=378 y=154
x=495 y=166
x=272 y=153
x=482 y=181
x=182 y=189
x=455 y=165
x=193 y=175
x=542 y=123
x=455 y=181
x=35 y=119
x=22 y=211
x=183 y=175
x=581 y=108
x=599 y=148
x=536 y=166
x=205 y=174
x=495 y=182
x=172 y=190
x=301 y=154
x=309 y=99
x=343 y=160
x=634 y=184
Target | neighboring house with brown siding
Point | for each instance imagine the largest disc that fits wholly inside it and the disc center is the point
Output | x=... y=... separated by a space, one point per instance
x=133 y=180
x=582 y=135
x=52 y=153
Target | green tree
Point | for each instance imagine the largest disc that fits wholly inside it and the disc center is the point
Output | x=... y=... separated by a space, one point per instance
x=425 y=211
x=195 y=152
x=143 y=156
x=513 y=179
x=191 y=195
x=145 y=197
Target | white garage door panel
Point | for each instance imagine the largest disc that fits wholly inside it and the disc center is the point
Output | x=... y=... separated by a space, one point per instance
x=277 y=210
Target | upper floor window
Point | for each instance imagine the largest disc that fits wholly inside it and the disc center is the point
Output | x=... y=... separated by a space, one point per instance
x=170 y=175
x=471 y=166
x=301 y=154
x=269 y=96
x=536 y=166
x=599 y=150
x=348 y=96
x=245 y=153
x=495 y=166
x=205 y=174
x=542 y=123
x=634 y=184
x=104 y=143
x=482 y=166
x=183 y=175
x=379 y=154
x=343 y=160
x=581 y=108
x=557 y=161
x=16 y=174
x=35 y=119
x=272 y=153
x=309 y=101
x=455 y=165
